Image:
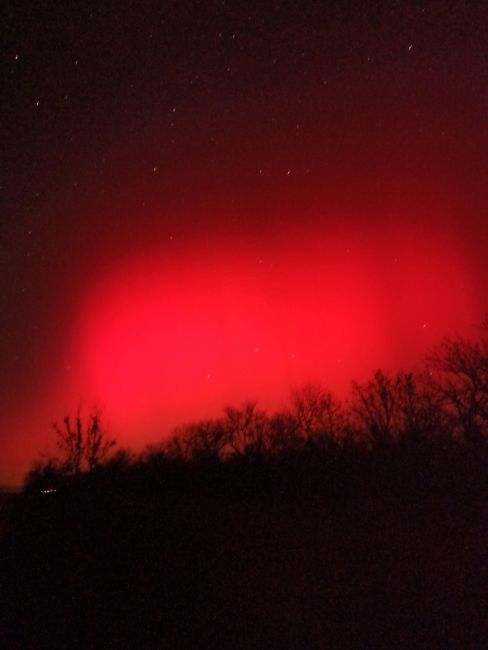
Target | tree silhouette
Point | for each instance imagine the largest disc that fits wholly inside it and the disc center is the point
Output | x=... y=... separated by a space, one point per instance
x=407 y=406
x=376 y=407
x=198 y=440
x=420 y=407
x=245 y=429
x=283 y=434
x=82 y=446
x=317 y=413
x=459 y=368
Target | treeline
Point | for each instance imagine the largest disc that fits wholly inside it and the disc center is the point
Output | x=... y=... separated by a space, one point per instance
x=448 y=399
x=444 y=406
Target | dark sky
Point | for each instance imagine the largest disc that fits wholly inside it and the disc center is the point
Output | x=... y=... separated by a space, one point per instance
x=211 y=201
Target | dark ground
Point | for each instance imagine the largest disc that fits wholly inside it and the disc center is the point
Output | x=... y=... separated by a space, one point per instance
x=246 y=555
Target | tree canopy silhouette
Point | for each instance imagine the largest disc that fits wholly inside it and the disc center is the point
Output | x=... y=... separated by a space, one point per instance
x=82 y=445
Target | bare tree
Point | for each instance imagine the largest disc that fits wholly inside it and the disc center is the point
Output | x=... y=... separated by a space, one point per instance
x=83 y=446
x=317 y=413
x=202 y=439
x=283 y=434
x=420 y=406
x=407 y=405
x=245 y=429
x=176 y=447
x=459 y=369
x=376 y=406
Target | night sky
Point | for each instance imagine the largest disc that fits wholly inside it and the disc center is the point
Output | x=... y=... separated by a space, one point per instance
x=212 y=201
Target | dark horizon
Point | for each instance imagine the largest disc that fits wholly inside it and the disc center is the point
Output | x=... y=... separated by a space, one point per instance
x=444 y=399
x=427 y=378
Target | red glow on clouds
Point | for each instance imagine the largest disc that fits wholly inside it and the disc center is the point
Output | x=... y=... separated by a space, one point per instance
x=181 y=331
